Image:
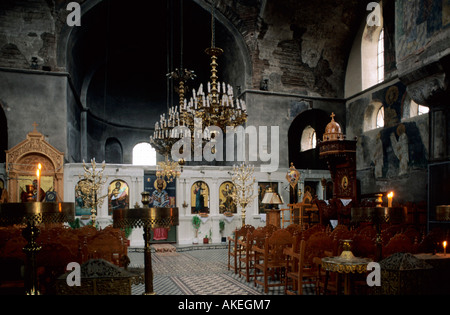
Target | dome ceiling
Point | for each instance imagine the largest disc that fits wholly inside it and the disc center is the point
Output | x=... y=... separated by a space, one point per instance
x=122 y=54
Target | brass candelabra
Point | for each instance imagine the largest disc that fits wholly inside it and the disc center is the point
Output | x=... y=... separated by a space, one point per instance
x=243 y=180
x=90 y=183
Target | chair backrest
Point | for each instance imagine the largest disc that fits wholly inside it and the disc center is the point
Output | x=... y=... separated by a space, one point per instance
x=247 y=229
x=292 y=228
x=270 y=228
x=366 y=230
x=316 y=246
x=275 y=244
x=312 y=230
x=400 y=243
x=258 y=236
x=241 y=234
x=364 y=246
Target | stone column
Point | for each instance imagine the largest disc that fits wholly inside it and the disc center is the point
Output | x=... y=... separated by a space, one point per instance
x=433 y=91
x=83 y=136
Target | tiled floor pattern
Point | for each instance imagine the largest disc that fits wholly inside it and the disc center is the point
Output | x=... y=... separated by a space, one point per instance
x=197 y=271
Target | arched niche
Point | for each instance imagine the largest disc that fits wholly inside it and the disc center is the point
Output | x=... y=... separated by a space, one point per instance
x=370 y=115
x=317 y=120
x=22 y=161
x=113 y=151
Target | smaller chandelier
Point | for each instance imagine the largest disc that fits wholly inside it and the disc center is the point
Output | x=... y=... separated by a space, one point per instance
x=164 y=134
x=168 y=170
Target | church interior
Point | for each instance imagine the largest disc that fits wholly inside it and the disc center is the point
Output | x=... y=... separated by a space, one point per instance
x=220 y=147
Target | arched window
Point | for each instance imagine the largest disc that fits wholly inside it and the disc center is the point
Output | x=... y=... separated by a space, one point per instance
x=308 y=139
x=411 y=109
x=373 y=116
x=380 y=57
x=365 y=65
x=144 y=154
x=380 y=118
x=422 y=110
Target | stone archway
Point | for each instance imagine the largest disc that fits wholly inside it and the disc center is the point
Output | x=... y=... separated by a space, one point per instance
x=22 y=161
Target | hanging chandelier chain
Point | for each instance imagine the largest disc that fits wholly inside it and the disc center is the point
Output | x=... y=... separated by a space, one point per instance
x=213 y=24
x=214 y=105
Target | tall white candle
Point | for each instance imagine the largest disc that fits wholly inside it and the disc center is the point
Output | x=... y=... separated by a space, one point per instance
x=38 y=173
x=390 y=195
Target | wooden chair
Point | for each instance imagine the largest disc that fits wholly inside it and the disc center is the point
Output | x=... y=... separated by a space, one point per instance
x=318 y=245
x=364 y=246
x=312 y=230
x=256 y=238
x=234 y=248
x=271 y=259
x=295 y=269
x=293 y=229
x=400 y=243
x=246 y=255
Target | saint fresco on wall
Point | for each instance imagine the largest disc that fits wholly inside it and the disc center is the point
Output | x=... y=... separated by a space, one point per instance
x=81 y=209
x=162 y=194
x=227 y=203
x=118 y=196
x=199 y=197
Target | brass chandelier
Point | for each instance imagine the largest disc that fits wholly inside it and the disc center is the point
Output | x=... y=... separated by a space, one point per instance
x=217 y=107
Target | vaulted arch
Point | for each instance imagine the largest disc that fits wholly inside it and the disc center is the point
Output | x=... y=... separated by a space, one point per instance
x=312 y=119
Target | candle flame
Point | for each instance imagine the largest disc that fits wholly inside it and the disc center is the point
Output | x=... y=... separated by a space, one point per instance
x=38 y=171
x=391 y=194
x=445 y=244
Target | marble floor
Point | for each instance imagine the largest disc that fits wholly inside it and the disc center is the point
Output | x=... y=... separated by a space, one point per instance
x=196 y=270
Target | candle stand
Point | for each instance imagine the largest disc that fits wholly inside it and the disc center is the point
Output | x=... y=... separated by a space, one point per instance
x=148 y=219
x=33 y=214
x=378 y=216
x=243 y=181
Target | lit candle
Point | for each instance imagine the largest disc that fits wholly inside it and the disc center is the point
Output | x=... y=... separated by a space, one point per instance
x=445 y=247
x=390 y=195
x=38 y=173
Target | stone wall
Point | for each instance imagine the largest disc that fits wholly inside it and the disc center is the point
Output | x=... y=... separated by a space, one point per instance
x=36 y=97
x=388 y=158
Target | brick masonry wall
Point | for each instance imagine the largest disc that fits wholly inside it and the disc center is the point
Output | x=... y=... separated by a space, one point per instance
x=298 y=47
